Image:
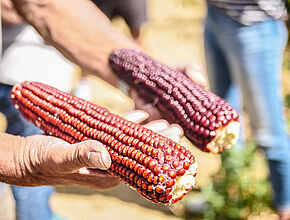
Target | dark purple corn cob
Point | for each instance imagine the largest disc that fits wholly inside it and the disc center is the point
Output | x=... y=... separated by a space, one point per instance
x=208 y=121
x=157 y=167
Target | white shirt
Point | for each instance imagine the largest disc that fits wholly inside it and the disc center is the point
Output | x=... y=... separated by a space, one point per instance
x=25 y=57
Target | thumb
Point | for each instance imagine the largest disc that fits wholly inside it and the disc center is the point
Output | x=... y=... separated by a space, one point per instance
x=71 y=158
x=194 y=71
x=196 y=74
x=91 y=154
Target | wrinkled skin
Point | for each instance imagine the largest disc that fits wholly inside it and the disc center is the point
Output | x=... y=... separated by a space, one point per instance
x=44 y=160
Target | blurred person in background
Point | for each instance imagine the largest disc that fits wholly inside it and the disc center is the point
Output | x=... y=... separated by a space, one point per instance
x=134 y=13
x=244 y=45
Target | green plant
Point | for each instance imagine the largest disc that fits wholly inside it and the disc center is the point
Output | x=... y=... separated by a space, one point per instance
x=287 y=4
x=240 y=187
x=287 y=101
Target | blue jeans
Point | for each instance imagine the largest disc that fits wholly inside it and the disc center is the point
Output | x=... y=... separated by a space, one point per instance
x=246 y=61
x=31 y=202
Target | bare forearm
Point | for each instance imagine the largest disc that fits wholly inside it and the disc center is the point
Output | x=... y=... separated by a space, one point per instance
x=78 y=29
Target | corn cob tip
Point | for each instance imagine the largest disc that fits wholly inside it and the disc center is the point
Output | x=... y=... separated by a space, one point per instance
x=225 y=138
x=184 y=184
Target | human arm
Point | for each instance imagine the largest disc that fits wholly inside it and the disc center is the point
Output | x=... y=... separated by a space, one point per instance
x=79 y=30
x=83 y=34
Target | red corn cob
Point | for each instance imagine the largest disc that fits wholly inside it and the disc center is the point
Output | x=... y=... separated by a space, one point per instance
x=158 y=168
x=208 y=121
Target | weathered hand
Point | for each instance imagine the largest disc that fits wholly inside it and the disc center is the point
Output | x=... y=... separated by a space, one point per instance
x=44 y=160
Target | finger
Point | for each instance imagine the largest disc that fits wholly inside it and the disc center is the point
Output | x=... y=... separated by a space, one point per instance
x=196 y=74
x=96 y=180
x=136 y=116
x=194 y=71
x=94 y=172
x=173 y=129
x=141 y=104
x=175 y=138
x=198 y=78
x=153 y=112
x=196 y=67
x=92 y=154
x=171 y=136
x=71 y=158
x=157 y=125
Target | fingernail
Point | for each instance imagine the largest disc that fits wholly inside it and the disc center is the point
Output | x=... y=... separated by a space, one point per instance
x=136 y=116
x=100 y=160
x=157 y=125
